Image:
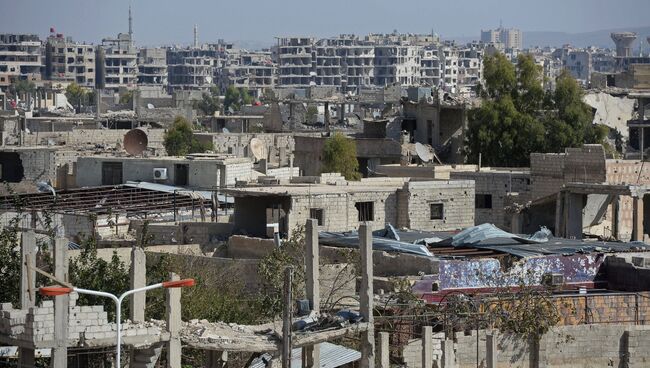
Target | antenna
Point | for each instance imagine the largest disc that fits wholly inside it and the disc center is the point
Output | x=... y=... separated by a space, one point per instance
x=196 y=36
x=423 y=152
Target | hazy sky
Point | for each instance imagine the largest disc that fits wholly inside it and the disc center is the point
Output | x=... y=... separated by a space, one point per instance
x=166 y=22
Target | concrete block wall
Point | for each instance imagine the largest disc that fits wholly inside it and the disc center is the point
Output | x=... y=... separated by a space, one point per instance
x=457 y=197
x=583 y=346
x=498 y=185
x=412 y=351
x=109 y=137
x=36 y=324
x=238 y=171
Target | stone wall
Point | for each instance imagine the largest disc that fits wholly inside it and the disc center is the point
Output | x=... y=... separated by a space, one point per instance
x=110 y=137
x=456 y=197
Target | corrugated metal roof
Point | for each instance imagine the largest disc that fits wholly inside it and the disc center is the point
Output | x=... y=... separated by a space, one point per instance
x=331 y=356
x=205 y=194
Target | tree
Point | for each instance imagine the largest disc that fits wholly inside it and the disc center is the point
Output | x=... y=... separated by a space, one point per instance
x=340 y=155
x=20 y=87
x=235 y=98
x=312 y=114
x=126 y=98
x=209 y=103
x=79 y=96
x=179 y=140
x=517 y=117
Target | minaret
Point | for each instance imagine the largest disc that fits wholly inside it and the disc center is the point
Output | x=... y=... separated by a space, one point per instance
x=130 y=24
x=196 y=36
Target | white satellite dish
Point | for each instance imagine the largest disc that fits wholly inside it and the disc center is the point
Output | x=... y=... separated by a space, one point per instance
x=257 y=148
x=208 y=79
x=423 y=152
x=150 y=106
x=225 y=130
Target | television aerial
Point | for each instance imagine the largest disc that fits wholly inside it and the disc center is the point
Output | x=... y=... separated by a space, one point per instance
x=423 y=152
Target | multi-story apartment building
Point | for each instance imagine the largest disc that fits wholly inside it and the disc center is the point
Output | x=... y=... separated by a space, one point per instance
x=197 y=67
x=430 y=67
x=357 y=63
x=295 y=62
x=449 y=61
x=117 y=62
x=20 y=58
x=397 y=64
x=152 y=67
x=254 y=71
x=470 y=69
x=509 y=38
x=67 y=61
x=575 y=61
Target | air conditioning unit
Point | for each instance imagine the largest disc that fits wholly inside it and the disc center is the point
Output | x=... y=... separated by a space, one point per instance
x=553 y=279
x=642 y=262
x=160 y=173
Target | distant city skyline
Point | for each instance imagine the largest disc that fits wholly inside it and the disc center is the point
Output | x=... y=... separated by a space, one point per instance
x=165 y=22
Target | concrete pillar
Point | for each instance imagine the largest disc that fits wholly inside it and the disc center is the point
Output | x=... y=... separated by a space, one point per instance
x=559 y=214
x=491 y=349
x=637 y=218
x=311 y=354
x=138 y=279
x=448 y=355
x=61 y=306
x=27 y=287
x=366 y=296
x=216 y=359
x=384 y=350
x=342 y=114
x=573 y=225
x=173 y=324
x=427 y=347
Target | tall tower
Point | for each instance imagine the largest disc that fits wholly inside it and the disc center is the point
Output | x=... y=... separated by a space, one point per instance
x=196 y=36
x=623 y=41
x=130 y=24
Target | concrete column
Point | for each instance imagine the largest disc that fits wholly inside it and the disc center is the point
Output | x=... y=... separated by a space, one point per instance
x=637 y=218
x=384 y=350
x=342 y=114
x=616 y=203
x=27 y=287
x=138 y=279
x=61 y=307
x=491 y=349
x=311 y=354
x=559 y=214
x=448 y=356
x=427 y=347
x=366 y=296
x=216 y=359
x=173 y=324
x=574 y=220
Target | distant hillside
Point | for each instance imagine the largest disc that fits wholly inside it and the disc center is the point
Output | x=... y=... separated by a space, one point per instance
x=596 y=38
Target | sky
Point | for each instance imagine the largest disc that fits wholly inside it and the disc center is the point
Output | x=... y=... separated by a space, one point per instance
x=166 y=22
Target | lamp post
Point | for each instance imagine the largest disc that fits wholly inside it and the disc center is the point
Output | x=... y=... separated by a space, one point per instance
x=58 y=290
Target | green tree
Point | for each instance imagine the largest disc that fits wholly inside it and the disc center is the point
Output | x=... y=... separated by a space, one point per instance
x=20 y=87
x=179 y=140
x=88 y=271
x=311 y=115
x=235 y=98
x=517 y=117
x=78 y=96
x=126 y=98
x=209 y=103
x=340 y=155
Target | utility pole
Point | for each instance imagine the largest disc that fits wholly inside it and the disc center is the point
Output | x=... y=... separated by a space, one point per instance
x=286 y=318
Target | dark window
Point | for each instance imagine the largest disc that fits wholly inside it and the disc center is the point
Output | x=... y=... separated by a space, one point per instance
x=316 y=213
x=111 y=173
x=181 y=176
x=483 y=201
x=366 y=211
x=11 y=167
x=437 y=210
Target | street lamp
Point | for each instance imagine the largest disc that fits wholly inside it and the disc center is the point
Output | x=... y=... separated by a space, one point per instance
x=58 y=290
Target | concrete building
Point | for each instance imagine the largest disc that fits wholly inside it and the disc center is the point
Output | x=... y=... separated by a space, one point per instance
x=198 y=67
x=152 y=67
x=509 y=38
x=117 y=60
x=21 y=58
x=294 y=58
x=577 y=62
x=67 y=61
x=430 y=67
x=397 y=64
x=193 y=171
x=253 y=71
x=339 y=205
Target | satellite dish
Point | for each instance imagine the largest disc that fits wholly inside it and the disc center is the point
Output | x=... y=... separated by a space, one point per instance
x=257 y=148
x=423 y=152
x=208 y=79
x=150 y=106
x=135 y=141
x=225 y=130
